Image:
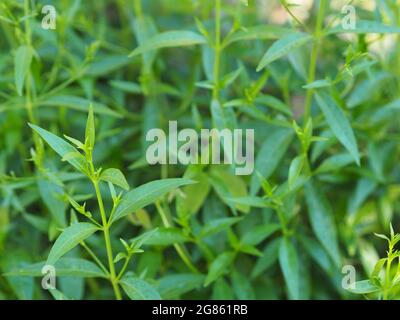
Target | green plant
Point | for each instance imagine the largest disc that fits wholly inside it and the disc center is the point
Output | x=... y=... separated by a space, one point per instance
x=324 y=105
x=383 y=284
x=77 y=232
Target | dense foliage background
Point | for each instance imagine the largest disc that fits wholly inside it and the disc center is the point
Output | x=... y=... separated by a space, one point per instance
x=324 y=105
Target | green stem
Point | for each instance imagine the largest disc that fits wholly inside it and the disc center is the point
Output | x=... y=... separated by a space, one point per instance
x=179 y=249
x=387 y=277
x=138 y=7
x=314 y=56
x=113 y=277
x=282 y=221
x=121 y=273
x=28 y=94
x=95 y=258
x=217 y=48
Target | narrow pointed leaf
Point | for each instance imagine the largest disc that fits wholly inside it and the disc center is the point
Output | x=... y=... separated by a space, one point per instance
x=138 y=289
x=62 y=148
x=147 y=194
x=70 y=238
x=22 y=63
x=339 y=124
x=116 y=177
x=322 y=220
x=282 y=47
x=169 y=39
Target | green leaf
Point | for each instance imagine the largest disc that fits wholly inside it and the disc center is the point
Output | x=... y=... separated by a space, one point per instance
x=143 y=239
x=222 y=290
x=282 y=47
x=259 y=233
x=58 y=295
x=378 y=267
x=217 y=225
x=126 y=86
x=242 y=286
x=260 y=32
x=364 y=287
x=322 y=220
x=175 y=285
x=274 y=103
x=169 y=39
x=51 y=194
x=322 y=83
x=194 y=196
x=270 y=156
x=365 y=26
x=90 y=133
x=79 y=104
x=74 y=267
x=165 y=237
x=62 y=148
x=339 y=124
x=116 y=177
x=22 y=64
x=295 y=169
x=269 y=257
x=255 y=202
x=335 y=163
x=147 y=194
x=228 y=185
x=219 y=267
x=289 y=263
x=69 y=238
x=138 y=289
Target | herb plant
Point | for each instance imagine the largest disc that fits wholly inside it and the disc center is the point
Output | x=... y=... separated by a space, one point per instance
x=81 y=205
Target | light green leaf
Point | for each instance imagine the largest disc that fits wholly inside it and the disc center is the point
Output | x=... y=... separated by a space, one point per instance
x=339 y=124
x=295 y=169
x=322 y=83
x=116 y=177
x=175 y=285
x=289 y=263
x=22 y=63
x=217 y=225
x=194 y=196
x=378 y=267
x=260 y=32
x=274 y=103
x=322 y=220
x=70 y=238
x=364 y=287
x=270 y=156
x=126 y=86
x=242 y=286
x=269 y=257
x=219 y=267
x=138 y=289
x=90 y=133
x=169 y=39
x=77 y=103
x=147 y=194
x=62 y=148
x=282 y=47
x=365 y=26
x=58 y=295
x=166 y=237
x=250 y=201
x=74 y=267
x=259 y=233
